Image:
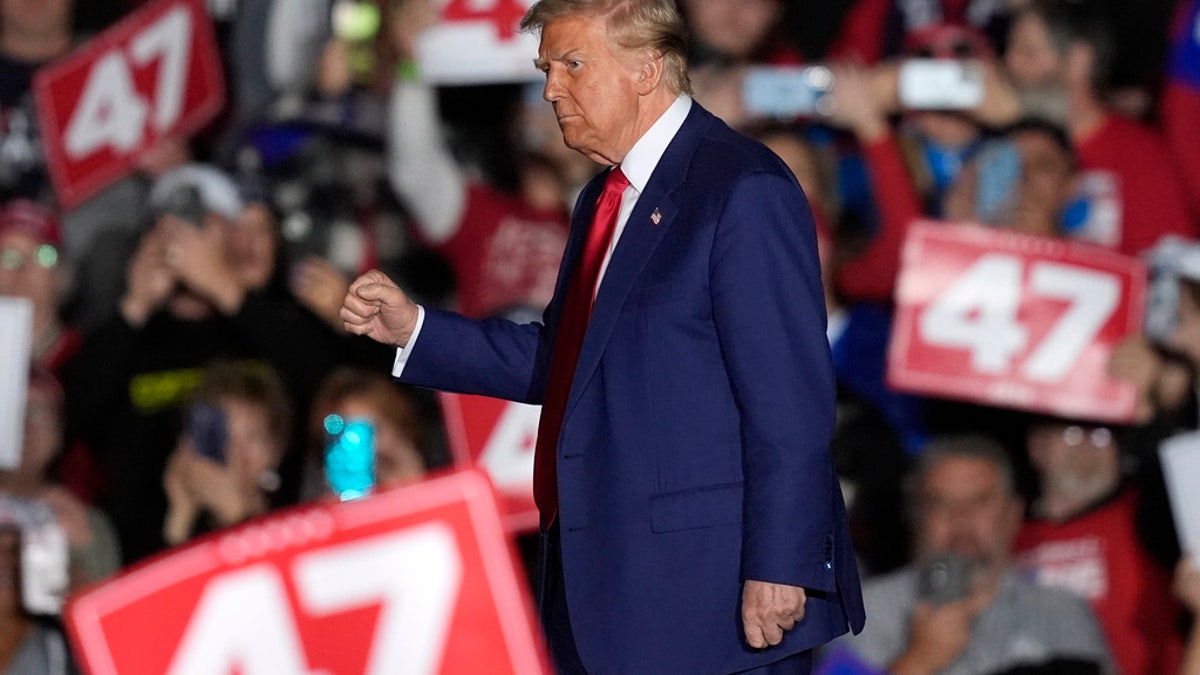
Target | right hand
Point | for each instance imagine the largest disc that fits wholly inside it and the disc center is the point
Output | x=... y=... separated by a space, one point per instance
x=855 y=103
x=376 y=307
x=150 y=277
x=940 y=634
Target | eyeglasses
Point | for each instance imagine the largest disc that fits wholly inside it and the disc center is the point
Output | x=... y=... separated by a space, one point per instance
x=1097 y=437
x=44 y=256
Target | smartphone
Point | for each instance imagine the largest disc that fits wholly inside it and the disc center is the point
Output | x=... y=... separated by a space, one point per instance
x=999 y=177
x=944 y=579
x=44 y=567
x=187 y=204
x=787 y=91
x=350 y=456
x=208 y=430
x=940 y=84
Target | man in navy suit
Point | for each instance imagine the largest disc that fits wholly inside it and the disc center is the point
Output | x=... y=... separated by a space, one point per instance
x=693 y=521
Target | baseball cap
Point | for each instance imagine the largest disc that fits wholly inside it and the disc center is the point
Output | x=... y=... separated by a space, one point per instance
x=217 y=190
x=31 y=218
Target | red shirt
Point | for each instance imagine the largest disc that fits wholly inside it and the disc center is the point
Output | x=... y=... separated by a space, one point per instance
x=505 y=253
x=1098 y=556
x=1152 y=199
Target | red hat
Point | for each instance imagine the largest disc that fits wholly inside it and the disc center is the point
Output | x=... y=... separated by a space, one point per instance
x=31 y=218
x=948 y=41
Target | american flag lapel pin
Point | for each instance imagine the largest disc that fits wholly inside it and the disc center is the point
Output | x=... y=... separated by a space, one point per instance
x=656 y=217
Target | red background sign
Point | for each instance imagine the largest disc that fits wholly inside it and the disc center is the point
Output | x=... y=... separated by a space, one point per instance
x=1013 y=320
x=418 y=579
x=498 y=437
x=155 y=74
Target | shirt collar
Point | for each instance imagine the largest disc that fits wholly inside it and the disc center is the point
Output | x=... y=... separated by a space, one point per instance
x=643 y=157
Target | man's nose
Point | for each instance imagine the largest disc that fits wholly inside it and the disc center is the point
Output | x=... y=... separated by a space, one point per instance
x=553 y=90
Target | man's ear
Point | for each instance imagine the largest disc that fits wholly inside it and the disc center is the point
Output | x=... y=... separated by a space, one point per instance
x=650 y=72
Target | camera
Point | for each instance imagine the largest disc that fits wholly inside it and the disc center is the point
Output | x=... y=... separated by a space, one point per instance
x=187 y=204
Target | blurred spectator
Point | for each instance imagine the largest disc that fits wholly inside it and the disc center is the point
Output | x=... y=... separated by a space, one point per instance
x=1082 y=536
x=188 y=301
x=1187 y=589
x=32 y=32
x=727 y=38
x=32 y=267
x=960 y=608
x=404 y=449
x=504 y=249
x=94 y=553
x=1060 y=59
x=224 y=468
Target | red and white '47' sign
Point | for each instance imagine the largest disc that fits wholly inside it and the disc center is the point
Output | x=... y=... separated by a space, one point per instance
x=155 y=74
x=1014 y=320
x=499 y=437
x=418 y=579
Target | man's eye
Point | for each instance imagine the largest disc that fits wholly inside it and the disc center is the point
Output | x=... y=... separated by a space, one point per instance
x=574 y=64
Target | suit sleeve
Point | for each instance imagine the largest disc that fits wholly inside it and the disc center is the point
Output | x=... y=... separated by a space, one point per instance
x=769 y=312
x=490 y=357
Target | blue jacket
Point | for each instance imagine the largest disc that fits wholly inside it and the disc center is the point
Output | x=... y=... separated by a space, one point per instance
x=694 y=448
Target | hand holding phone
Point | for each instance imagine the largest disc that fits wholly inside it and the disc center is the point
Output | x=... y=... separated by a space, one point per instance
x=944 y=579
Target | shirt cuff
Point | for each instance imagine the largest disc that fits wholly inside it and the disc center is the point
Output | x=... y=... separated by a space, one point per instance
x=403 y=352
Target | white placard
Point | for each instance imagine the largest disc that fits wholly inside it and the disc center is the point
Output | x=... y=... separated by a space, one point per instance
x=16 y=336
x=1181 y=472
x=477 y=42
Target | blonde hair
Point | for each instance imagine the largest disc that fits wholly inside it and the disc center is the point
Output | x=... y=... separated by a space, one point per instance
x=635 y=24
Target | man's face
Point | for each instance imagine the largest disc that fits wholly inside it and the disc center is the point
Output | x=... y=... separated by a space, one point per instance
x=1074 y=459
x=593 y=84
x=965 y=508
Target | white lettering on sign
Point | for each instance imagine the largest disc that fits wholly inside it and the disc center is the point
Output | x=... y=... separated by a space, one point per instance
x=979 y=313
x=245 y=621
x=110 y=111
x=508 y=454
x=416 y=575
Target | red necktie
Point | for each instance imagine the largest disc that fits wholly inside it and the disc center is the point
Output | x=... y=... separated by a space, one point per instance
x=577 y=310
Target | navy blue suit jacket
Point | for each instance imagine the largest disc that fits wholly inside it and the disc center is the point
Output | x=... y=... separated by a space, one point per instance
x=694 y=448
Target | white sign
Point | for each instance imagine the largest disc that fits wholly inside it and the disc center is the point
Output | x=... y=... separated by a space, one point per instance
x=16 y=336
x=477 y=42
x=1181 y=471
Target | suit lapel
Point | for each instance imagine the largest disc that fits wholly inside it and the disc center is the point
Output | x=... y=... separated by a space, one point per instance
x=654 y=213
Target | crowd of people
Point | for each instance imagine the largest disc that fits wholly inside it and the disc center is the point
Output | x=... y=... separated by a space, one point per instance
x=187 y=348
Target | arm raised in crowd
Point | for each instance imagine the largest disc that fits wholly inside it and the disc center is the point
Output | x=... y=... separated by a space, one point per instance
x=420 y=165
x=871 y=274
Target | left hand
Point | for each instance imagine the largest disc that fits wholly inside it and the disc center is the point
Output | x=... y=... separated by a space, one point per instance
x=769 y=609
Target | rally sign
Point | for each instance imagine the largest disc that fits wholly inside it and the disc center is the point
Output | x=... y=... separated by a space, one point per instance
x=498 y=437
x=1009 y=319
x=418 y=579
x=155 y=74
x=477 y=42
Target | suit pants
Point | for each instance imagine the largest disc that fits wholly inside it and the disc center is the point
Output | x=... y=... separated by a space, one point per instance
x=552 y=601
